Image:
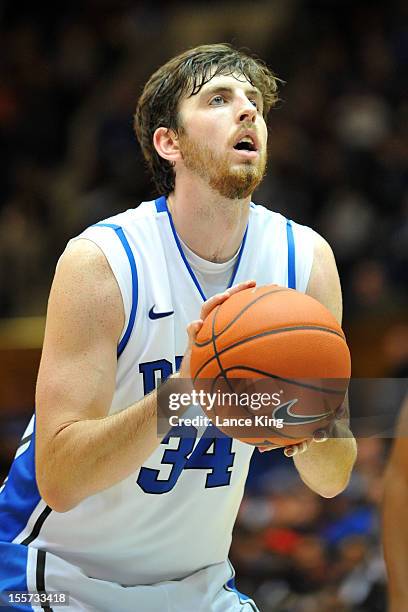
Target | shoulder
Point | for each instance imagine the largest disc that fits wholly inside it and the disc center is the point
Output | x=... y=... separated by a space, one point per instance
x=143 y=211
x=322 y=248
x=83 y=257
x=316 y=257
x=115 y=242
x=324 y=282
x=324 y=264
x=267 y=216
x=84 y=287
x=264 y=214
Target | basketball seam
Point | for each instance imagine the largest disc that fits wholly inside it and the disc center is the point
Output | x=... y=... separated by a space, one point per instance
x=272 y=430
x=216 y=354
x=286 y=380
x=277 y=434
x=264 y=443
x=260 y=335
x=237 y=316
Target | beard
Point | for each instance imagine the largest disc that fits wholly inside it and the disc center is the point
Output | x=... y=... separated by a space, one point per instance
x=230 y=182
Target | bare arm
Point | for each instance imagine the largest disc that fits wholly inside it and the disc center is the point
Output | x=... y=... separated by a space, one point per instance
x=395 y=530
x=326 y=467
x=80 y=450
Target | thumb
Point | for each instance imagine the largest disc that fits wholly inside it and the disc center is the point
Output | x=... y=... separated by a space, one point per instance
x=192 y=330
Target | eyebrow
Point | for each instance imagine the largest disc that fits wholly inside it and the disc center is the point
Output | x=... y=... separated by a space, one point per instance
x=225 y=89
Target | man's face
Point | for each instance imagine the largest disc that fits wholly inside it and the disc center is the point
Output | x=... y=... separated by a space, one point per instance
x=223 y=135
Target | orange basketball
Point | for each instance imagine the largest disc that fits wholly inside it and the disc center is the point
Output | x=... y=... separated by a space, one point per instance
x=278 y=363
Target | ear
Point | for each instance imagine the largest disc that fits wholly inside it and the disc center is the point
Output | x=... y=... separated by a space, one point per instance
x=166 y=143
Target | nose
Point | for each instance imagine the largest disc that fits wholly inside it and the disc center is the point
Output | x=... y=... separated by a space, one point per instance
x=247 y=112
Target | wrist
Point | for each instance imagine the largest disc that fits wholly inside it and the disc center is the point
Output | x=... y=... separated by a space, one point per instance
x=168 y=394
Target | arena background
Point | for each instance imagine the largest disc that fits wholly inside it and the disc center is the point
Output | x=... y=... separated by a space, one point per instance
x=70 y=75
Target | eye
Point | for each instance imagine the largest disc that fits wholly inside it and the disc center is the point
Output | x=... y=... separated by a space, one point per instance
x=217 y=100
x=257 y=103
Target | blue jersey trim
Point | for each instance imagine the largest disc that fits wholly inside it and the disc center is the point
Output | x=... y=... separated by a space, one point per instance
x=20 y=495
x=231 y=586
x=243 y=599
x=180 y=248
x=121 y=235
x=13 y=573
x=161 y=206
x=291 y=255
x=241 y=250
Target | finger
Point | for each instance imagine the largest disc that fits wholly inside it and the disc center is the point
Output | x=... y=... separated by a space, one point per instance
x=219 y=298
x=320 y=435
x=192 y=330
x=302 y=447
x=210 y=304
x=240 y=286
x=296 y=449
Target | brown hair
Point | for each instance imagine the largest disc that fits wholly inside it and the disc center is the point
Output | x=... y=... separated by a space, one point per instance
x=186 y=74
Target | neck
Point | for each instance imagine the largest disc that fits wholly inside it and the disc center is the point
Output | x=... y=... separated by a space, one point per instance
x=211 y=226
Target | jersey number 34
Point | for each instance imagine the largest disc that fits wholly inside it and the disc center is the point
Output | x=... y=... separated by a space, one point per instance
x=211 y=453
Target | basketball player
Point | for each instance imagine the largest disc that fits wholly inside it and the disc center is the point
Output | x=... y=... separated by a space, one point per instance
x=109 y=512
x=395 y=534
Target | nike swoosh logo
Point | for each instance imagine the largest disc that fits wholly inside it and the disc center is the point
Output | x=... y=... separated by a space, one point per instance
x=158 y=315
x=289 y=418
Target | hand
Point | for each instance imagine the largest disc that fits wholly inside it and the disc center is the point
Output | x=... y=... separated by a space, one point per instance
x=194 y=327
x=337 y=429
x=320 y=435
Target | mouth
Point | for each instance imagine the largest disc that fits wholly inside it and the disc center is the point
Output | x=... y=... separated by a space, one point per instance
x=247 y=145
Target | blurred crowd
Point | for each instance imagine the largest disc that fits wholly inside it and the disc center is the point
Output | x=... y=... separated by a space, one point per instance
x=70 y=76
x=294 y=551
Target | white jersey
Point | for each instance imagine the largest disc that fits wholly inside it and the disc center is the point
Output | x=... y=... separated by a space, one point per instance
x=172 y=518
